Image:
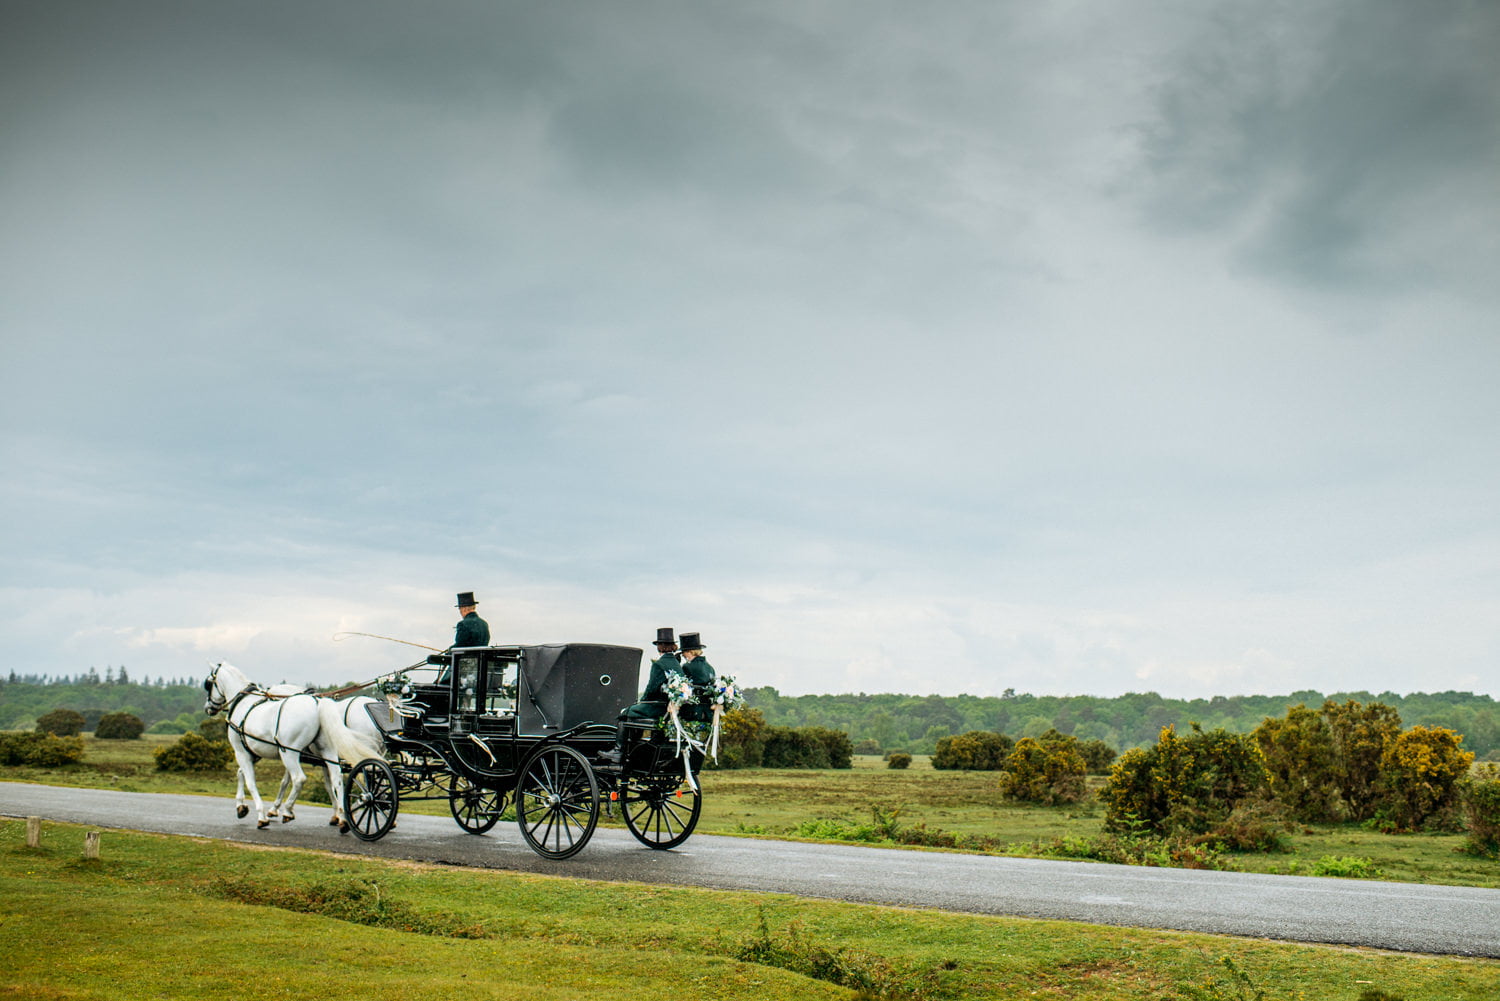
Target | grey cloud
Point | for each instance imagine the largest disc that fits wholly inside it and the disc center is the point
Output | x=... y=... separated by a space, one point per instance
x=1314 y=136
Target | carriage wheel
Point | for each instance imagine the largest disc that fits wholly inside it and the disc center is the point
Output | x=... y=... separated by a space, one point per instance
x=371 y=800
x=557 y=802
x=475 y=809
x=660 y=815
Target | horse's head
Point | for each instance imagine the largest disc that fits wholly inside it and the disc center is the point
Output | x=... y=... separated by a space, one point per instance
x=221 y=685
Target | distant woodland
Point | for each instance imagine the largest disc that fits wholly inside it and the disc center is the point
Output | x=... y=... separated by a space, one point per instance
x=911 y=723
x=915 y=722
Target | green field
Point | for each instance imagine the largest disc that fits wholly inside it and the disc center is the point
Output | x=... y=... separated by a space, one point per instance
x=170 y=918
x=781 y=803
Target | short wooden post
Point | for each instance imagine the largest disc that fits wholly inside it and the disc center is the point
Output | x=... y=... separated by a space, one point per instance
x=91 y=844
x=33 y=832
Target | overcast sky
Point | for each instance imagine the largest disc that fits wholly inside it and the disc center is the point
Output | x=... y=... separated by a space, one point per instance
x=1075 y=348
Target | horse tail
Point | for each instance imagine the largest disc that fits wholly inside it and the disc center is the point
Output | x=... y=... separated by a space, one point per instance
x=350 y=747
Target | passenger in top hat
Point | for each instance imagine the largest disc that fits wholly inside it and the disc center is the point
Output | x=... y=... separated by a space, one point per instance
x=653 y=704
x=654 y=699
x=698 y=671
x=471 y=629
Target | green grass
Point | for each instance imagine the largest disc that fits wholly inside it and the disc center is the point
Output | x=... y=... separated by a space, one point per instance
x=780 y=803
x=166 y=918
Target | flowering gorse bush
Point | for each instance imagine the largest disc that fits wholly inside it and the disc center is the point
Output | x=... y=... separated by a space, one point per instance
x=1420 y=773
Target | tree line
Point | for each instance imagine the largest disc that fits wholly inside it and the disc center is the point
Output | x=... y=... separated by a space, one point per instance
x=883 y=722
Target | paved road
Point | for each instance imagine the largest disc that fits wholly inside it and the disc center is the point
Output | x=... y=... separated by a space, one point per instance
x=1402 y=916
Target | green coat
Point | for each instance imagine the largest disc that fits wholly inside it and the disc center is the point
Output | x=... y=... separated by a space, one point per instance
x=700 y=672
x=653 y=702
x=471 y=631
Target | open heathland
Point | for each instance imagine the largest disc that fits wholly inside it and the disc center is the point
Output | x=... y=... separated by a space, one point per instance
x=844 y=804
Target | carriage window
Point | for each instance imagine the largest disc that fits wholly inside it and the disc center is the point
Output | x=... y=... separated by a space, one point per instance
x=500 y=697
x=466 y=677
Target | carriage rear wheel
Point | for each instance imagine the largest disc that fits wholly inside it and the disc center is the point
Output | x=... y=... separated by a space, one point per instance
x=371 y=799
x=557 y=802
x=660 y=814
x=474 y=808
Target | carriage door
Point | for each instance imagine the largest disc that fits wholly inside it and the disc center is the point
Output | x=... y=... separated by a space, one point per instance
x=466 y=692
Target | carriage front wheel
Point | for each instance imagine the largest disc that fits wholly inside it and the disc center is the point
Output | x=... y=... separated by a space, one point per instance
x=370 y=799
x=475 y=809
x=660 y=814
x=557 y=802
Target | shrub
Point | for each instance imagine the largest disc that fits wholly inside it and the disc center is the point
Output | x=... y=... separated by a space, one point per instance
x=868 y=745
x=166 y=726
x=898 y=759
x=742 y=739
x=975 y=751
x=1256 y=824
x=1046 y=770
x=1097 y=756
x=807 y=747
x=63 y=722
x=1139 y=848
x=194 y=753
x=1349 y=866
x=1298 y=752
x=1360 y=735
x=1190 y=783
x=119 y=726
x=837 y=744
x=40 y=750
x=787 y=747
x=213 y=728
x=1420 y=774
x=1482 y=819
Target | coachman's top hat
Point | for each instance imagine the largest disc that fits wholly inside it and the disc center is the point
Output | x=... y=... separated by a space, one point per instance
x=465 y=599
x=664 y=635
x=690 y=641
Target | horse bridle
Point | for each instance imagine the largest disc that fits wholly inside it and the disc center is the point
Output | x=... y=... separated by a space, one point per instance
x=211 y=686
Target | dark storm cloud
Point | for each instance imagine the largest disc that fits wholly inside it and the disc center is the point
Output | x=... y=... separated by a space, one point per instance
x=1321 y=138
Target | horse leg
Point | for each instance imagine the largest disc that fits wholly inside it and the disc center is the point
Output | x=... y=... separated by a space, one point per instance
x=240 y=809
x=247 y=776
x=336 y=793
x=275 y=809
x=291 y=760
x=335 y=781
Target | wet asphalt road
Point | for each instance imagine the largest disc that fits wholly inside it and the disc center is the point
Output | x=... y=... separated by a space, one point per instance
x=1401 y=916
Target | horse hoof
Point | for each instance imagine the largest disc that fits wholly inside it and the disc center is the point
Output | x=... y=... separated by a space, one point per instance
x=334 y=822
x=262 y=824
x=288 y=819
x=240 y=811
x=343 y=828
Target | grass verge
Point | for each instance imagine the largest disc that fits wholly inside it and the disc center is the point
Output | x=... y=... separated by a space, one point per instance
x=177 y=918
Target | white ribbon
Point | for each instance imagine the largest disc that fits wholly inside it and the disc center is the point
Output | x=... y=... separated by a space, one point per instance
x=685 y=745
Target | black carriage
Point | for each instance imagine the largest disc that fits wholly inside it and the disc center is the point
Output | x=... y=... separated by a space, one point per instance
x=535 y=726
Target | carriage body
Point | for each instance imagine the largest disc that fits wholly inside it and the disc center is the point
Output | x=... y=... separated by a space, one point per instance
x=528 y=724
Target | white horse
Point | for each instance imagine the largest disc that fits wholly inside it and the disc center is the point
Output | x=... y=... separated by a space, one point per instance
x=262 y=725
x=352 y=715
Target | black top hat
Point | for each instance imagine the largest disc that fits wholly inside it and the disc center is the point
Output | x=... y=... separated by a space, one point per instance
x=664 y=635
x=465 y=599
x=690 y=641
